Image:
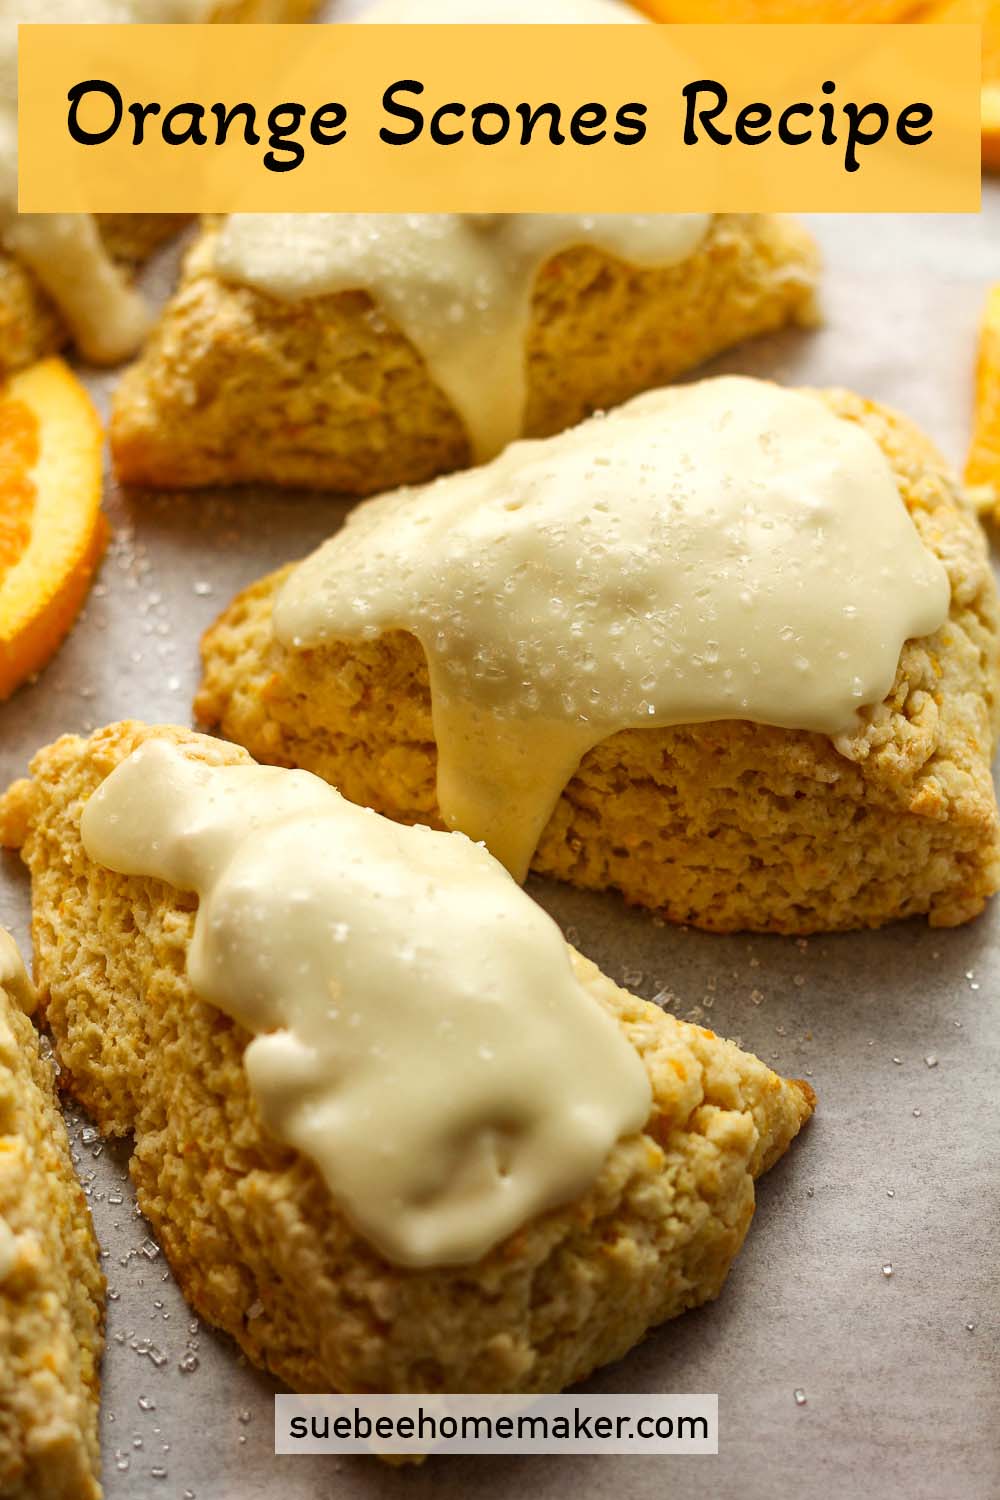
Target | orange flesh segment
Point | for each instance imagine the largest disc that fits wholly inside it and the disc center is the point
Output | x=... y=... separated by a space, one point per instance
x=18 y=456
x=52 y=530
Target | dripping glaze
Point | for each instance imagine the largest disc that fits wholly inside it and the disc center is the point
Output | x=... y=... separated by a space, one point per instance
x=725 y=550
x=447 y=1092
x=459 y=286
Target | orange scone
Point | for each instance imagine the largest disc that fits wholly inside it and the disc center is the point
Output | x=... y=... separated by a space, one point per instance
x=382 y=1161
x=730 y=650
x=354 y=352
x=32 y=322
x=51 y=1288
x=52 y=528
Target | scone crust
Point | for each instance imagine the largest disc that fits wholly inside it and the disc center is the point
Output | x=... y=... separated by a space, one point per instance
x=236 y=386
x=729 y=826
x=250 y=1229
x=52 y=1292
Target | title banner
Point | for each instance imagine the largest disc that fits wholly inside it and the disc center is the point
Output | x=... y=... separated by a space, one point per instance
x=616 y=119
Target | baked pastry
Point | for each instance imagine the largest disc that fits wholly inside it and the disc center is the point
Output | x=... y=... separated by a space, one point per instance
x=257 y=374
x=51 y=1289
x=66 y=278
x=31 y=324
x=254 y=1236
x=787 y=820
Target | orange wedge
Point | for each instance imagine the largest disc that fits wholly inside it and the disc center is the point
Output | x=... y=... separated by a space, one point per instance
x=52 y=530
x=982 y=472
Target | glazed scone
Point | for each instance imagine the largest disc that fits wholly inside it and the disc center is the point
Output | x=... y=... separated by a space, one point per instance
x=240 y=386
x=31 y=323
x=727 y=825
x=51 y=1289
x=250 y=1228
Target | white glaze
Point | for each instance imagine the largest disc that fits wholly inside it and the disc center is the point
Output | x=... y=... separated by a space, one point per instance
x=458 y=285
x=419 y=1032
x=725 y=550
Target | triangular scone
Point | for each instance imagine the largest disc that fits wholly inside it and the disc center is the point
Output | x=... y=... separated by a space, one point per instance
x=728 y=825
x=249 y=1226
x=237 y=386
x=31 y=324
x=51 y=1288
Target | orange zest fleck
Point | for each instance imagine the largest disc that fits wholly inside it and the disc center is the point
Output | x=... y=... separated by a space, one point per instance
x=52 y=529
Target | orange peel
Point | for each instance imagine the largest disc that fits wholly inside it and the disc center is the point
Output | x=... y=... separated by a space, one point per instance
x=982 y=472
x=52 y=529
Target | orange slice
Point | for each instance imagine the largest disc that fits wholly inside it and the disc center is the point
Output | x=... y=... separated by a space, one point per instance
x=982 y=472
x=52 y=530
